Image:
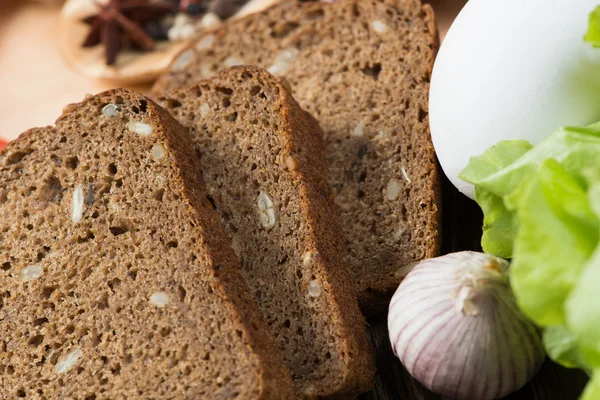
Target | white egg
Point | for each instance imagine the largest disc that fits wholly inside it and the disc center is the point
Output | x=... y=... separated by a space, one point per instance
x=511 y=69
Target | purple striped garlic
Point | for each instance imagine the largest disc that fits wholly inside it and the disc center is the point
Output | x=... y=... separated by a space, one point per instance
x=455 y=325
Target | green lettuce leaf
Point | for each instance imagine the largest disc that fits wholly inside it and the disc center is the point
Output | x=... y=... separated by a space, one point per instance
x=561 y=346
x=582 y=308
x=499 y=224
x=502 y=172
x=493 y=161
x=574 y=148
x=592 y=390
x=558 y=233
x=592 y=36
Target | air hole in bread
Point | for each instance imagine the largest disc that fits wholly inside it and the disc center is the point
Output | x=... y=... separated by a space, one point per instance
x=159 y=194
x=283 y=29
x=116 y=370
x=40 y=321
x=315 y=14
x=113 y=284
x=86 y=273
x=36 y=340
x=363 y=176
x=372 y=70
x=182 y=293
x=132 y=274
x=422 y=114
x=27 y=192
x=118 y=230
x=88 y=236
x=97 y=339
x=47 y=292
x=17 y=156
x=6 y=266
x=254 y=90
x=212 y=201
x=72 y=162
x=224 y=90
x=112 y=169
x=172 y=103
x=102 y=303
x=165 y=331
x=52 y=191
x=42 y=254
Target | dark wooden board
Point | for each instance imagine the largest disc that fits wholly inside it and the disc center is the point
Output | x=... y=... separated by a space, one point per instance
x=462 y=222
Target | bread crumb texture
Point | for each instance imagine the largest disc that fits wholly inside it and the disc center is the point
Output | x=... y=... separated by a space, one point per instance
x=110 y=284
x=362 y=68
x=265 y=169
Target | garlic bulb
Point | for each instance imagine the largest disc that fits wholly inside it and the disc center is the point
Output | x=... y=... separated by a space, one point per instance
x=455 y=325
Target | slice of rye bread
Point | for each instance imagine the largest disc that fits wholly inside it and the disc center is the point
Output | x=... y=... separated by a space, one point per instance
x=264 y=165
x=362 y=68
x=117 y=280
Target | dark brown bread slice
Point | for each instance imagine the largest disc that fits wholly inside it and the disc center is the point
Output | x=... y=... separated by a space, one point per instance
x=264 y=164
x=362 y=68
x=99 y=227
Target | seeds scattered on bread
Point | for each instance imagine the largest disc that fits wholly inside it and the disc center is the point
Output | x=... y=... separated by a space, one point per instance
x=159 y=299
x=31 y=272
x=114 y=267
x=266 y=210
x=264 y=165
x=362 y=69
x=77 y=204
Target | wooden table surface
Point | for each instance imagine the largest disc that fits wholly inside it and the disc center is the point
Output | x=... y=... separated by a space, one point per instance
x=36 y=84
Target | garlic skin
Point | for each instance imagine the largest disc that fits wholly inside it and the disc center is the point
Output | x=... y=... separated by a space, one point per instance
x=455 y=325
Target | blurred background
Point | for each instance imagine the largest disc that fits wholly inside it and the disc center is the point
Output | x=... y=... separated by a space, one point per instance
x=35 y=80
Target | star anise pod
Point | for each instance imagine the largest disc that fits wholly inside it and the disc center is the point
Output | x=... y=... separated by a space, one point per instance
x=123 y=20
